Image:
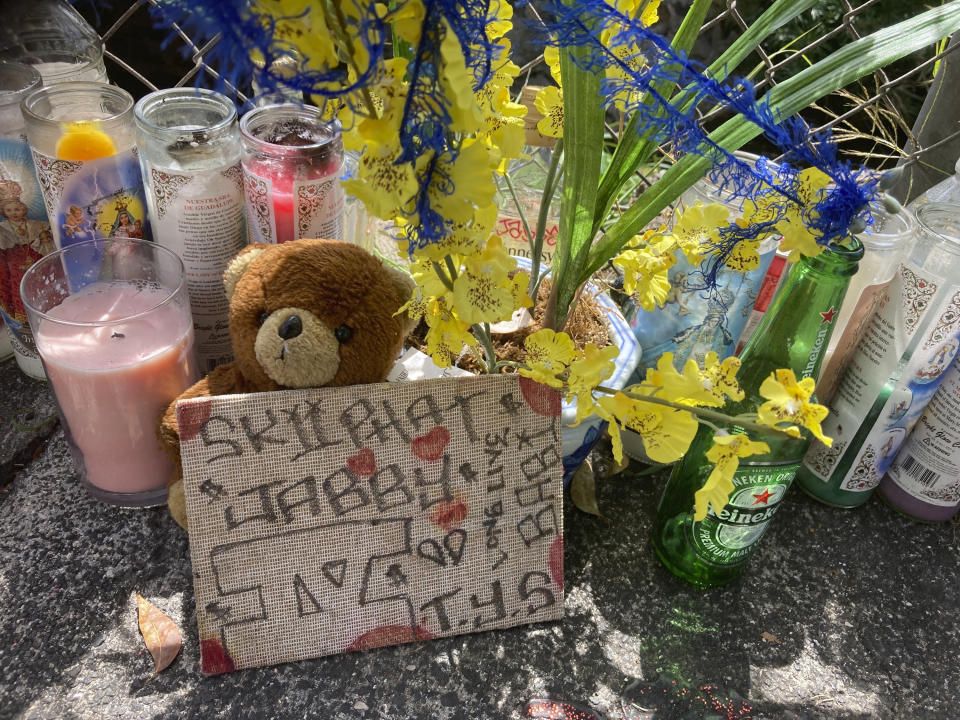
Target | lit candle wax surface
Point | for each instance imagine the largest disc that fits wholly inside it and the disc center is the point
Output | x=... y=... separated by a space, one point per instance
x=113 y=380
x=292 y=149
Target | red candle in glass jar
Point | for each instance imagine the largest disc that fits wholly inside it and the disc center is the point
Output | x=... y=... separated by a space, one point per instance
x=291 y=165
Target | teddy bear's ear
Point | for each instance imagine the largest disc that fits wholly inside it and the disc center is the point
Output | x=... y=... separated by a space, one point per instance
x=405 y=286
x=238 y=266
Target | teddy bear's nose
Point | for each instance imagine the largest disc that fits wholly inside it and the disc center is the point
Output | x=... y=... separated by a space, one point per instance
x=290 y=328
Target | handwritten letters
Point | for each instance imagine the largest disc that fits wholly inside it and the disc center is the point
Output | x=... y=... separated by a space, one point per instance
x=339 y=519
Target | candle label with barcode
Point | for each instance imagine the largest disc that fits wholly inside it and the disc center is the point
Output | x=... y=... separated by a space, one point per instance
x=199 y=215
x=928 y=467
x=95 y=199
x=914 y=302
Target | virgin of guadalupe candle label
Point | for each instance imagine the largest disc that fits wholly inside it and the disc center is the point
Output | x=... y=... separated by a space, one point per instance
x=346 y=518
x=25 y=236
x=312 y=208
x=95 y=199
x=906 y=330
x=199 y=215
x=693 y=322
x=928 y=467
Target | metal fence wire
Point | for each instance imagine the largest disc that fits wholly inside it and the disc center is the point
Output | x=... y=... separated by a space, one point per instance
x=872 y=120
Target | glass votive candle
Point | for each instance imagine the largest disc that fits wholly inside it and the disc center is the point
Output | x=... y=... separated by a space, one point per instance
x=84 y=149
x=291 y=169
x=190 y=155
x=112 y=322
x=24 y=231
x=54 y=38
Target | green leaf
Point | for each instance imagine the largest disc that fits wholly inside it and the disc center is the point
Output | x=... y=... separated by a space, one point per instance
x=838 y=70
x=633 y=149
x=583 y=125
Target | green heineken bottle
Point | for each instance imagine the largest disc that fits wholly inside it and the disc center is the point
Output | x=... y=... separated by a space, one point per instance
x=792 y=334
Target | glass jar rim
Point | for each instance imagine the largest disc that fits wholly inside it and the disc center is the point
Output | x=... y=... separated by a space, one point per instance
x=248 y=124
x=925 y=221
x=49 y=91
x=158 y=98
x=89 y=51
x=27 y=79
x=888 y=238
x=105 y=244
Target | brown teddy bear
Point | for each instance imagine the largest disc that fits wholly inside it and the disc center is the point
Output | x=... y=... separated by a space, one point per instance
x=303 y=314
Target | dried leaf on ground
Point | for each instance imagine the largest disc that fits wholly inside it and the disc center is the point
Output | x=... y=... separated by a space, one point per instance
x=769 y=637
x=583 y=490
x=160 y=634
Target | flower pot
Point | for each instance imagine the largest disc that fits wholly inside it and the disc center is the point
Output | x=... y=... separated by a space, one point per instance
x=579 y=440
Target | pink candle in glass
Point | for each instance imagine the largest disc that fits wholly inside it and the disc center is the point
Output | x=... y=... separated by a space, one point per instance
x=113 y=327
x=113 y=380
x=291 y=164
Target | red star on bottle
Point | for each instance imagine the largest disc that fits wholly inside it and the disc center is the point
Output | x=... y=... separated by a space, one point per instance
x=828 y=315
x=763 y=497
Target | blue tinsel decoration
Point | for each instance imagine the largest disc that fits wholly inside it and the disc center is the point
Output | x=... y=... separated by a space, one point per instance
x=852 y=190
x=426 y=120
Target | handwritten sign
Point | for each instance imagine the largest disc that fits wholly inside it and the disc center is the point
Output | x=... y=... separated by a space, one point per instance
x=337 y=519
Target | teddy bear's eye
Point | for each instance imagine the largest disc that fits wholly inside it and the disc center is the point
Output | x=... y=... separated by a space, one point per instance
x=343 y=333
x=264 y=316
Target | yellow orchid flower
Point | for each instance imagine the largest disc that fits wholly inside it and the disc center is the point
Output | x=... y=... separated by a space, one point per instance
x=744 y=257
x=481 y=298
x=548 y=355
x=666 y=432
x=721 y=377
x=725 y=454
x=382 y=184
x=798 y=240
x=698 y=227
x=686 y=388
x=519 y=284
x=541 y=373
x=457 y=82
x=551 y=56
x=554 y=349
x=549 y=102
x=787 y=401
x=646 y=272
x=466 y=237
x=446 y=334
x=407 y=19
x=592 y=368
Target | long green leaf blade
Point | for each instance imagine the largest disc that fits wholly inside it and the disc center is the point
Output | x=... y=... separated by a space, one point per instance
x=838 y=70
x=583 y=125
x=634 y=149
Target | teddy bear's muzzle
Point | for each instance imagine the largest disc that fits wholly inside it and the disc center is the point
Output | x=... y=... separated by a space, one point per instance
x=296 y=349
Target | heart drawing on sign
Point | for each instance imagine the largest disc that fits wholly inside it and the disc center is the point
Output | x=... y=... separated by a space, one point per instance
x=363 y=464
x=431 y=445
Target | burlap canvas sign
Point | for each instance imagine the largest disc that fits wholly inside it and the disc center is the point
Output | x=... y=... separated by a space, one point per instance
x=337 y=519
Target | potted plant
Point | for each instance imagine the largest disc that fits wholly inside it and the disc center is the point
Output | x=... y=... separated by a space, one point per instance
x=424 y=91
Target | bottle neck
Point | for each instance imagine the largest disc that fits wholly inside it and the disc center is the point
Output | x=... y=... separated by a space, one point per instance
x=795 y=330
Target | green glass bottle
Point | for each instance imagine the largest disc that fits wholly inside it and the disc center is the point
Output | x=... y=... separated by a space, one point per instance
x=793 y=334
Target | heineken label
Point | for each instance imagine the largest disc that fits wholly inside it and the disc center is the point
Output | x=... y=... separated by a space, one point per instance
x=727 y=538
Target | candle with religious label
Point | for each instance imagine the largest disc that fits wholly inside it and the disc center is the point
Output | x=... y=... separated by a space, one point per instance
x=190 y=153
x=24 y=231
x=84 y=150
x=291 y=168
x=906 y=345
x=113 y=326
x=924 y=480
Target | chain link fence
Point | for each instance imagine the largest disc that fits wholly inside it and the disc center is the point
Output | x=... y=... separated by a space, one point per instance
x=875 y=121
